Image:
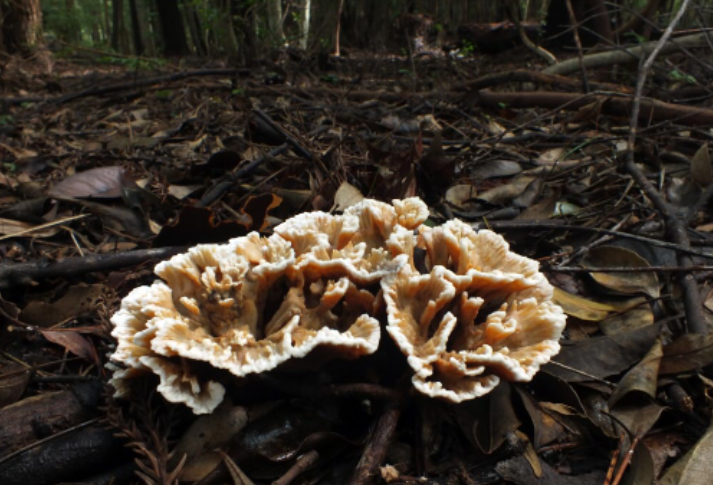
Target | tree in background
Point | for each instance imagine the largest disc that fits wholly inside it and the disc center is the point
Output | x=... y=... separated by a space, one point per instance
x=172 y=31
x=246 y=31
x=20 y=26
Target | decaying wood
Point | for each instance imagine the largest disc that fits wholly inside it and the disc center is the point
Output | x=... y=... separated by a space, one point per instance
x=67 y=458
x=626 y=55
x=40 y=416
x=651 y=109
x=535 y=77
x=21 y=274
x=376 y=448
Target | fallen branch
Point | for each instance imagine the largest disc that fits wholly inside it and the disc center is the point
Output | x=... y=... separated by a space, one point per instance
x=113 y=88
x=626 y=55
x=675 y=227
x=22 y=274
x=535 y=77
x=556 y=225
x=651 y=110
x=622 y=269
x=376 y=448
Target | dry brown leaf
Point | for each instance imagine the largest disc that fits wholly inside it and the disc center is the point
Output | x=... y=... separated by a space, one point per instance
x=695 y=467
x=347 y=195
x=460 y=196
x=701 y=172
x=582 y=308
x=617 y=257
x=102 y=182
x=74 y=343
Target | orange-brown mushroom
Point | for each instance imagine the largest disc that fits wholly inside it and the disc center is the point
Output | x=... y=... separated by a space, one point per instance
x=481 y=313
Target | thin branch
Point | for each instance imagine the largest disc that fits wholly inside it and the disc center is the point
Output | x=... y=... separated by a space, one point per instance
x=675 y=227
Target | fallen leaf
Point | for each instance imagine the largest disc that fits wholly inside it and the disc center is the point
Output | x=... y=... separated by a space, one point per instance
x=543 y=210
x=78 y=299
x=530 y=194
x=641 y=467
x=550 y=157
x=640 y=315
x=701 y=172
x=495 y=169
x=642 y=378
x=547 y=429
x=183 y=191
x=695 y=467
x=636 y=417
x=687 y=353
x=199 y=442
x=74 y=343
x=617 y=257
x=257 y=211
x=461 y=196
x=503 y=194
x=197 y=225
x=9 y=227
x=488 y=422
x=13 y=381
x=603 y=356
x=580 y=307
x=102 y=182
x=347 y=195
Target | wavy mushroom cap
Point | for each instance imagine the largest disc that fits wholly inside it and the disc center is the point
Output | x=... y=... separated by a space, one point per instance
x=482 y=313
x=242 y=307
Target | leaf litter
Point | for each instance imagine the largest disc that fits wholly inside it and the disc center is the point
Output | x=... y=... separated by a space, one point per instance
x=144 y=176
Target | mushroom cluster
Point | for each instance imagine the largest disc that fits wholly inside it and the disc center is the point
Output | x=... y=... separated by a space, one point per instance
x=473 y=314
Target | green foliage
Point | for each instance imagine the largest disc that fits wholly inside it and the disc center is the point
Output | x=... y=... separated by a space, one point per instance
x=639 y=39
x=133 y=63
x=6 y=120
x=467 y=48
x=677 y=75
x=75 y=25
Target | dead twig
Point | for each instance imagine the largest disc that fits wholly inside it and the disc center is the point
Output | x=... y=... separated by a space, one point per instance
x=555 y=225
x=376 y=448
x=302 y=464
x=644 y=269
x=22 y=274
x=675 y=227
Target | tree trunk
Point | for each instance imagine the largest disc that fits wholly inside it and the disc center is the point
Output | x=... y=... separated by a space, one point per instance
x=107 y=23
x=136 y=29
x=194 y=27
x=601 y=23
x=638 y=20
x=174 y=36
x=147 y=11
x=117 y=25
x=72 y=31
x=304 y=23
x=338 y=27
x=274 y=21
x=245 y=30
x=593 y=19
x=20 y=26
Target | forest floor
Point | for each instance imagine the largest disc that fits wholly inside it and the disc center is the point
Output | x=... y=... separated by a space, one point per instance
x=108 y=170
